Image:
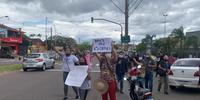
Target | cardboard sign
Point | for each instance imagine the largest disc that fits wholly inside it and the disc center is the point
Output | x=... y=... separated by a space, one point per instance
x=77 y=76
x=102 y=45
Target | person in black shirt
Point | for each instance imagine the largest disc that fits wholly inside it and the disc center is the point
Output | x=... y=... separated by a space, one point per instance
x=121 y=70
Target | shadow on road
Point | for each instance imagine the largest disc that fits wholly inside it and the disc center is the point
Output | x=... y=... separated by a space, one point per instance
x=187 y=90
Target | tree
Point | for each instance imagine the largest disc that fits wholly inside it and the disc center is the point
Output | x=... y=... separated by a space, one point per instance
x=179 y=34
x=84 y=46
x=193 y=42
x=141 y=47
x=58 y=40
x=35 y=35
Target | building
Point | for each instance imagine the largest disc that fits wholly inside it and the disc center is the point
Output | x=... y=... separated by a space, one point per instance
x=193 y=33
x=191 y=51
x=37 y=45
x=12 y=41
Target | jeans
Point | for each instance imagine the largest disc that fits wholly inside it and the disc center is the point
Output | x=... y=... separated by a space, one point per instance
x=65 y=74
x=120 y=80
x=149 y=81
x=111 y=91
x=141 y=81
x=83 y=93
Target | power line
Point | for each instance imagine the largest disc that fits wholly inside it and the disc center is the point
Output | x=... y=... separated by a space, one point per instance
x=137 y=6
x=117 y=6
x=132 y=4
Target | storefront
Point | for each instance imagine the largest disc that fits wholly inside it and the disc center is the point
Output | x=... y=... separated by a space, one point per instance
x=11 y=40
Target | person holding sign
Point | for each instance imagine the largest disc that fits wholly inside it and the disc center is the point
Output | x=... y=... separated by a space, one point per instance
x=107 y=74
x=69 y=61
x=86 y=86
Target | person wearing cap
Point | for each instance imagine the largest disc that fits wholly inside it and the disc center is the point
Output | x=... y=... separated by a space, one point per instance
x=107 y=74
x=69 y=61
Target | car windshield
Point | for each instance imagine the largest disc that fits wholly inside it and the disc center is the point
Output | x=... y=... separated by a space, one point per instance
x=184 y=63
x=33 y=56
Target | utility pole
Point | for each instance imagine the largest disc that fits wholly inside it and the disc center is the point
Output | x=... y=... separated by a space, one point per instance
x=51 y=40
x=165 y=31
x=79 y=40
x=126 y=16
x=46 y=30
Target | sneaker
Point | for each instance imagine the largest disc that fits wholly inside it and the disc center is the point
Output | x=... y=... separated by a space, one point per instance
x=158 y=90
x=166 y=93
x=65 y=98
x=121 y=92
x=77 y=97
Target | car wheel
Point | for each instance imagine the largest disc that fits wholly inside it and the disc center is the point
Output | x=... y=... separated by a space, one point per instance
x=24 y=69
x=52 y=67
x=172 y=87
x=43 y=67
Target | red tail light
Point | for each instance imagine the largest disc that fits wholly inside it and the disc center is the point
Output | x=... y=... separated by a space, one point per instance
x=197 y=74
x=170 y=72
x=39 y=60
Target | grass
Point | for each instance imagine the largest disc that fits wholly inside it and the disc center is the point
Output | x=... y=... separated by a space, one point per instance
x=10 y=68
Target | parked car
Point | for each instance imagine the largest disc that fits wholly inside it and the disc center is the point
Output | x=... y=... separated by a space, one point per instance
x=38 y=61
x=185 y=73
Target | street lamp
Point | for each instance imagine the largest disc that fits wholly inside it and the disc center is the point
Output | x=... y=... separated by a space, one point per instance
x=165 y=30
x=92 y=20
x=165 y=21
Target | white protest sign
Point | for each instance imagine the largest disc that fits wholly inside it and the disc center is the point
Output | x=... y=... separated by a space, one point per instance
x=77 y=76
x=102 y=45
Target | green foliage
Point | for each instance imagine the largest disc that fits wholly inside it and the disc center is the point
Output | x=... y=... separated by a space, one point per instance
x=192 y=41
x=84 y=46
x=9 y=68
x=61 y=41
x=141 y=47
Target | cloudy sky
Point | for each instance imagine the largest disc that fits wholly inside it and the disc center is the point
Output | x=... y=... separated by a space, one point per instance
x=71 y=18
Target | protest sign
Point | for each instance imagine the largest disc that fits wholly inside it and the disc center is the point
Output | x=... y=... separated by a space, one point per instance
x=77 y=76
x=102 y=45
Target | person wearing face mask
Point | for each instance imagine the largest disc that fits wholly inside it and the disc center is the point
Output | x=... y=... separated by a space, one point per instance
x=69 y=61
x=121 y=70
x=141 y=77
x=163 y=69
x=107 y=73
x=149 y=66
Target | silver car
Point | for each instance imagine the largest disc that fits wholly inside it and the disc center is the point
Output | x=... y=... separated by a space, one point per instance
x=185 y=73
x=38 y=61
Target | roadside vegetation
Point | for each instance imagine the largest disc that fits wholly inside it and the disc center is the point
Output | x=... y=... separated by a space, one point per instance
x=10 y=68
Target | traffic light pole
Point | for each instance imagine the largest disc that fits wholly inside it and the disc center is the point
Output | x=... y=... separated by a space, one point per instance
x=126 y=16
x=92 y=20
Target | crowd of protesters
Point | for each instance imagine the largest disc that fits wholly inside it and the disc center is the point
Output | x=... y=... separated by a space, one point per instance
x=114 y=67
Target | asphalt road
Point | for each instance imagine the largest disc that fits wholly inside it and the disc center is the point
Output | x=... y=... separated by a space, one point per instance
x=37 y=85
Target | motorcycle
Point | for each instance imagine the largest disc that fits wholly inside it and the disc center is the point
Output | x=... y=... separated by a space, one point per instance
x=136 y=92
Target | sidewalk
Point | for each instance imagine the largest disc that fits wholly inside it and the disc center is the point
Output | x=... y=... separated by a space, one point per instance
x=9 y=61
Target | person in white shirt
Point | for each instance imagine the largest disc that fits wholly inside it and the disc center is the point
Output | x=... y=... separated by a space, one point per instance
x=69 y=61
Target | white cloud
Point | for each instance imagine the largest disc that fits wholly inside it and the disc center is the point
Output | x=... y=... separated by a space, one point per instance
x=147 y=19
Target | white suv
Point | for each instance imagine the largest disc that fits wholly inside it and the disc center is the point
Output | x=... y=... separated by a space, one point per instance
x=185 y=73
